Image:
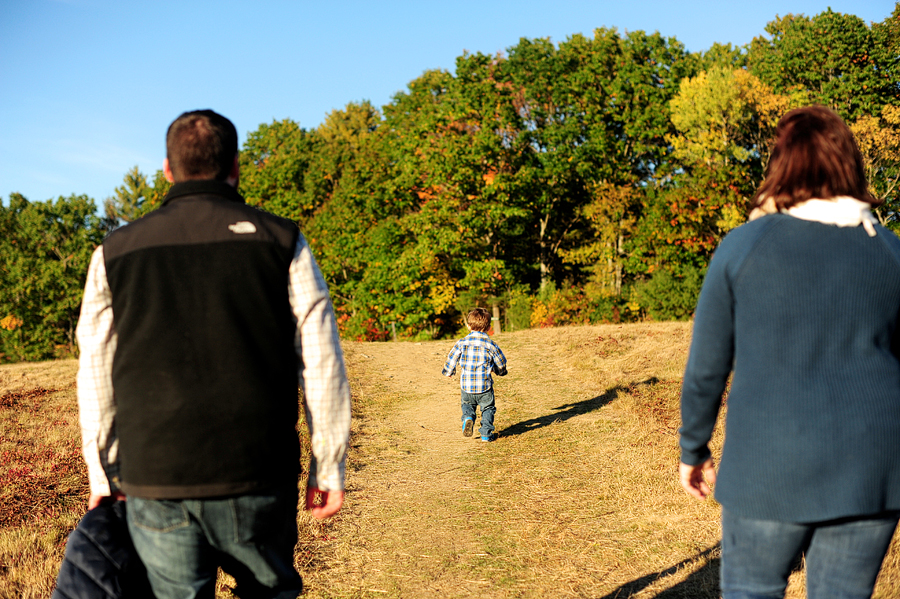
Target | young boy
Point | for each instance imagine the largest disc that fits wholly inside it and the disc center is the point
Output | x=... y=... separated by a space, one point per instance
x=477 y=356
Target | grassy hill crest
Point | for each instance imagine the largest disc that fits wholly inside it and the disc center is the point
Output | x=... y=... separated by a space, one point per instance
x=577 y=498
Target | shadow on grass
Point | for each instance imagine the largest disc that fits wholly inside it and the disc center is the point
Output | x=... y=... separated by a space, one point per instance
x=701 y=584
x=571 y=410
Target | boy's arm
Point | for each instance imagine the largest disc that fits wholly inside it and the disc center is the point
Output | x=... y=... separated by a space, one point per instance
x=450 y=365
x=499 y=366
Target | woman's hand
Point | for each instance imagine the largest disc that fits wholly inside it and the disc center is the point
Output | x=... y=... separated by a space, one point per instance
x=698 y=480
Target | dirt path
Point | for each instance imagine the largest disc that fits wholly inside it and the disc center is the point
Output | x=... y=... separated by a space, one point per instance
x=578 y=496
x=423 y=464
x=431 y=513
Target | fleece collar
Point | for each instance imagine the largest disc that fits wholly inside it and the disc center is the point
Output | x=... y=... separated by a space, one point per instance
x=203 y=187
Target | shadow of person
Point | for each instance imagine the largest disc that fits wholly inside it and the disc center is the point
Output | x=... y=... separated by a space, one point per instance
x=703 y=583
x=573 y=409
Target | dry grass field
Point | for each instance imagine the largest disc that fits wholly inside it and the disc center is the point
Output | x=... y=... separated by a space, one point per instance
x=578 y=497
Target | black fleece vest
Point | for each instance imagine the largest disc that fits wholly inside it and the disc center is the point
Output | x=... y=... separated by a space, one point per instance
x=205 y=370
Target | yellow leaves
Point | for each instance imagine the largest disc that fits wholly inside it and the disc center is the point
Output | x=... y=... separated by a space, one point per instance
x=539 y=315
x=879 y=135
x=441 y=286
x=879 y=143
x=723 y=115
x=10 y=322
x=731 y=217
x=442 y=294
x=350 y=125
x=633 y=307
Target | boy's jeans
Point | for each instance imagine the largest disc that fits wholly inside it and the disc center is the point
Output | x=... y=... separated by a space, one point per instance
x=486 y=401
x=183 y=542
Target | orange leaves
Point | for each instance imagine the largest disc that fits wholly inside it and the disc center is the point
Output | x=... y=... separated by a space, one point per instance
x=10 y=322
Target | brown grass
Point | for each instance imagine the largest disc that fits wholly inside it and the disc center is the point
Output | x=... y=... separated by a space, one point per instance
x=577 y=498
x=42 y=476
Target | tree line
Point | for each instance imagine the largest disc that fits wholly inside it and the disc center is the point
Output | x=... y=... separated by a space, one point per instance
x=584 y=181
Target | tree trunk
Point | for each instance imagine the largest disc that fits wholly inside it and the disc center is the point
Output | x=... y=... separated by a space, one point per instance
x=495 y=321
x=620 y=253
x=545 y=267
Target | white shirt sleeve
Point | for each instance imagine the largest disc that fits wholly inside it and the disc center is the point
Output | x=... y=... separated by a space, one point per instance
x=322 y=373
x=97 y=341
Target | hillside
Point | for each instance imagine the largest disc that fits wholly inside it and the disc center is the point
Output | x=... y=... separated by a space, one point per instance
x=577 y=498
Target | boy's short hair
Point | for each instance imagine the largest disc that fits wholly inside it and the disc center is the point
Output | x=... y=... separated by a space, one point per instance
x=479 y=320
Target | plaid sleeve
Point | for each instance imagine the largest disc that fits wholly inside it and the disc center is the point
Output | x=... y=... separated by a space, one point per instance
x=452 y=359
x=97 y=342
x=499 y=366
x=322 y=372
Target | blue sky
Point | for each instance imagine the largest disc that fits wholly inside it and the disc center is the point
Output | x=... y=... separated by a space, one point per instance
x=88 y=87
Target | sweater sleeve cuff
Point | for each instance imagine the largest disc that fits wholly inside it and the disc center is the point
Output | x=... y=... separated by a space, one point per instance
x=695 y=457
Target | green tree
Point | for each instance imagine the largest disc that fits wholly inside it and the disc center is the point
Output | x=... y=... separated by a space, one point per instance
x=887 y=41
x=355 y=234
x=836 y=58
x=129 y=198
x=682 y=222
x=665 y=296
x=612 y=215
x=593 y=123
x=724 y=55
x=448 y=137
x=550 y=139
x=273 y=165
x=157 y=192
x=135 y=197
x=45 y=248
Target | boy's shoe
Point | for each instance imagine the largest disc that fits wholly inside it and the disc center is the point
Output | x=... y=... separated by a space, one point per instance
x=468 y=426
x=489 y=438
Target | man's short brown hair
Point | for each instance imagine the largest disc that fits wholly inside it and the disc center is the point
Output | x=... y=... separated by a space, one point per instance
x=479 y=320
x=201 y=144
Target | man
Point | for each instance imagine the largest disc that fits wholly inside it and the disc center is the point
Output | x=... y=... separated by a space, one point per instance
x=198 y=323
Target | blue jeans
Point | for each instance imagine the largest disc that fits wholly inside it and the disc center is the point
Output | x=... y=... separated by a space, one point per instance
x=843 y=557
x=183 y=542
x=486 y=402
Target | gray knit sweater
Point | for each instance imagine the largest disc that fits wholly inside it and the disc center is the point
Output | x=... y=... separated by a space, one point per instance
x=806 y=316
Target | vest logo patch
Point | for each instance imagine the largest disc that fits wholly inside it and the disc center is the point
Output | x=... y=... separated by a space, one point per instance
x=242 y=228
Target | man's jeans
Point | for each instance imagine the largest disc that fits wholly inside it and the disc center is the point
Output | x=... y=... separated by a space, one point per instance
x=252 y=537
x=486 y=401
x=843 y=557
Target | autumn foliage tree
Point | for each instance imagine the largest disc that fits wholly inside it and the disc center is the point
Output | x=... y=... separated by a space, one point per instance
x=579 y=181
x=879 y=141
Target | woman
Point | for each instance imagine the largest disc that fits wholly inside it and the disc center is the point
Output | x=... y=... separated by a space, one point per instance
x=802 y=305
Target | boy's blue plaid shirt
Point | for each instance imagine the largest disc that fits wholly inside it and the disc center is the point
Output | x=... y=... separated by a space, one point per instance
x=477 y=357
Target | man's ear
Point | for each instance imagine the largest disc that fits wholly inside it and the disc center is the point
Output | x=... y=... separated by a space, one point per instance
x=234 y=175
x=168 y=171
